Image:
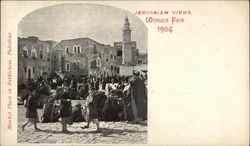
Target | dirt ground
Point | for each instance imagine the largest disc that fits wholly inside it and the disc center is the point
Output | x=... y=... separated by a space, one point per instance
x=111 y=132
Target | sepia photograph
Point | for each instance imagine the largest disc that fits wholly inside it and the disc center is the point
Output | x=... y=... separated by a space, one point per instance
x=82 y=76
x=124 y=73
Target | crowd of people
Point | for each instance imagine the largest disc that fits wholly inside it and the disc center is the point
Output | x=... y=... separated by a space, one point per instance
x=108 y=99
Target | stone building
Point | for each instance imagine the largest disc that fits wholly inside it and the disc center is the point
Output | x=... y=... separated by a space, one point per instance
x=34 y=58
x=84 y=56
x=75 y=57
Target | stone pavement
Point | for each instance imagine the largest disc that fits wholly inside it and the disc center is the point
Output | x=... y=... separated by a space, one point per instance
x=112 y=132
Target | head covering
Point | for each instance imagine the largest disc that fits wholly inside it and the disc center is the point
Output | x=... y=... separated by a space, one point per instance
x=136 y=73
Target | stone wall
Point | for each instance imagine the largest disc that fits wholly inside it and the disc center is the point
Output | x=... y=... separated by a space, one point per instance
x=34 y=59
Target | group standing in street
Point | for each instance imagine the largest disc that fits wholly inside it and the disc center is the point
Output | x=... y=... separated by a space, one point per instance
x=122 y=98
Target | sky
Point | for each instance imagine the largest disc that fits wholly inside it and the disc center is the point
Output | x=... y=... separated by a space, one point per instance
x=101 y=23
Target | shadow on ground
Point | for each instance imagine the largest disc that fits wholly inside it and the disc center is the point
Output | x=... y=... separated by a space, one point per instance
x=104 y=131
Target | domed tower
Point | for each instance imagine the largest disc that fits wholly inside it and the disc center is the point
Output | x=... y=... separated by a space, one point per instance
x=126 y=31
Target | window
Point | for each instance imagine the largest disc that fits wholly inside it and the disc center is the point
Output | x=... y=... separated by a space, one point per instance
x=75 y=49
x=25 y=69
x=107 y=60
x=118 y=70
x=33 y=69
x=111 y=56
x=41 y=55
x=119 y=53
x=67 y=49
x=67 y=67
x=25 y=52
x=98 y=62
x=33 y=53
x=111 y=67
x=79 y=49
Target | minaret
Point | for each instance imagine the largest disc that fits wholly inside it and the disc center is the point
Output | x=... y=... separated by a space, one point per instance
x=126 y=39
x=126 y=31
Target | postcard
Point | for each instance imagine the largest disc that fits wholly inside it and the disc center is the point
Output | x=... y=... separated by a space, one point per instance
x=124 y=72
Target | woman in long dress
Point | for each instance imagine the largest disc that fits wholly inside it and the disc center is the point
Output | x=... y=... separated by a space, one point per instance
x=31 y=112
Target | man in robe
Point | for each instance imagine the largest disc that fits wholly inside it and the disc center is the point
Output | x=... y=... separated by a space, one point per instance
x=138 y=93
x=90 y=111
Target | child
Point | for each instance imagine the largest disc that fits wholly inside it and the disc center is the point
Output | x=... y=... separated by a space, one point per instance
x=91 y=110
x=31 y=112
x=65 y=114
